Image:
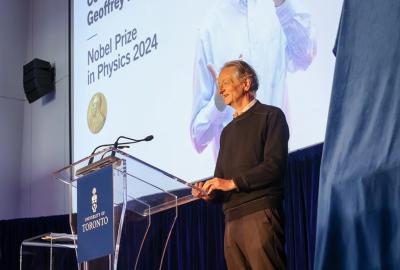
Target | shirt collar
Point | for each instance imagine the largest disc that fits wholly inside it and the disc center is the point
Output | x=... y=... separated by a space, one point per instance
x=246 y=108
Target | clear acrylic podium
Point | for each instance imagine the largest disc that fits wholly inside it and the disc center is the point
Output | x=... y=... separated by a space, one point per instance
x=140 y=190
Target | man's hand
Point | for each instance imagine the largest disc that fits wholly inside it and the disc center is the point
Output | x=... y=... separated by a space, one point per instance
x=219 y=184
x=218 y=100
x=196 y=191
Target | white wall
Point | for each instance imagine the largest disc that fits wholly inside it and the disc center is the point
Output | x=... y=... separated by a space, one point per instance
x=34 y=139
x=13 y=30
x=45 y=141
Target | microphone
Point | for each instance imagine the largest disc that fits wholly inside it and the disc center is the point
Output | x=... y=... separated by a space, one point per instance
x=146 y=139
x=104 y=145
x=132 y=141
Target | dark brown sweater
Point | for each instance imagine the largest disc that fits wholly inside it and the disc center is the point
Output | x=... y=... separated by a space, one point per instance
x=253 y=152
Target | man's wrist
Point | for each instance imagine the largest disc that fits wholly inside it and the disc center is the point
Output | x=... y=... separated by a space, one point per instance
x=233 y=185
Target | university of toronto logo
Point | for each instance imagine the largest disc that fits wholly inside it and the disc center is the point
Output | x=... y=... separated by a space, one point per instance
x=94 y=200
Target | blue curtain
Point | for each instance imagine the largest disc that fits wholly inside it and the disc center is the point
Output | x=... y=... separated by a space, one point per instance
x=13 y=232
x=197 y=239
x=359 y=193
x=301 y=196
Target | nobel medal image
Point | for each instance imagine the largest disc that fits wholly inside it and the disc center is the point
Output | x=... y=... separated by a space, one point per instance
x=97 y=112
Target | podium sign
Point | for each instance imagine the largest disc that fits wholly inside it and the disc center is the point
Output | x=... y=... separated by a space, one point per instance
x=95 y=215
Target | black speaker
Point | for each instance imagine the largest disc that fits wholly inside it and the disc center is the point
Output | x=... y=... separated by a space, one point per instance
x=38 y=79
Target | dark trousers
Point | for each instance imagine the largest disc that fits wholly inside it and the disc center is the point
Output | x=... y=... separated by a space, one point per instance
x=256 y=241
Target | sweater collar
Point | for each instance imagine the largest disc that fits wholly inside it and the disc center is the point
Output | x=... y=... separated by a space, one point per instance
x=246 y=108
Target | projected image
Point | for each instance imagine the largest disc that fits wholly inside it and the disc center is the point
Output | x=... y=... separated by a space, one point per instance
x=97 y=113
x=273 y=40
x=148 y=67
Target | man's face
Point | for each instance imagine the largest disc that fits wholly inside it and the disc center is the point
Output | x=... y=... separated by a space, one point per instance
x=230 y=87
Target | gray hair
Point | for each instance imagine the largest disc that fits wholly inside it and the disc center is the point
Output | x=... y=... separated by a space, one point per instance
x=244 y=71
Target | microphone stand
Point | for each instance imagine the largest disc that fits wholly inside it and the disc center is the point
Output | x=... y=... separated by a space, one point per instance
x=111 y=159
x=132 y=141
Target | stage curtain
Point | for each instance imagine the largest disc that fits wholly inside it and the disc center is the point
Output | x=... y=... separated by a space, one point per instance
x=300 y=205
x=359 y=193
x=13 y=232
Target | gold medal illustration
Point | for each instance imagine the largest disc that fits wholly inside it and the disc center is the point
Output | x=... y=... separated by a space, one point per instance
x=97 y=112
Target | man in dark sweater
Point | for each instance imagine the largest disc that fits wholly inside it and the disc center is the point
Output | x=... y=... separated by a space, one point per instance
x=249 y=174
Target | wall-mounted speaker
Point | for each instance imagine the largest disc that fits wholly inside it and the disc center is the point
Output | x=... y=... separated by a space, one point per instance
x=38 y=79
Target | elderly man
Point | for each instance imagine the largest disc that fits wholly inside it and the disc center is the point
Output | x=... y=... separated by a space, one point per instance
x=249 y=173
